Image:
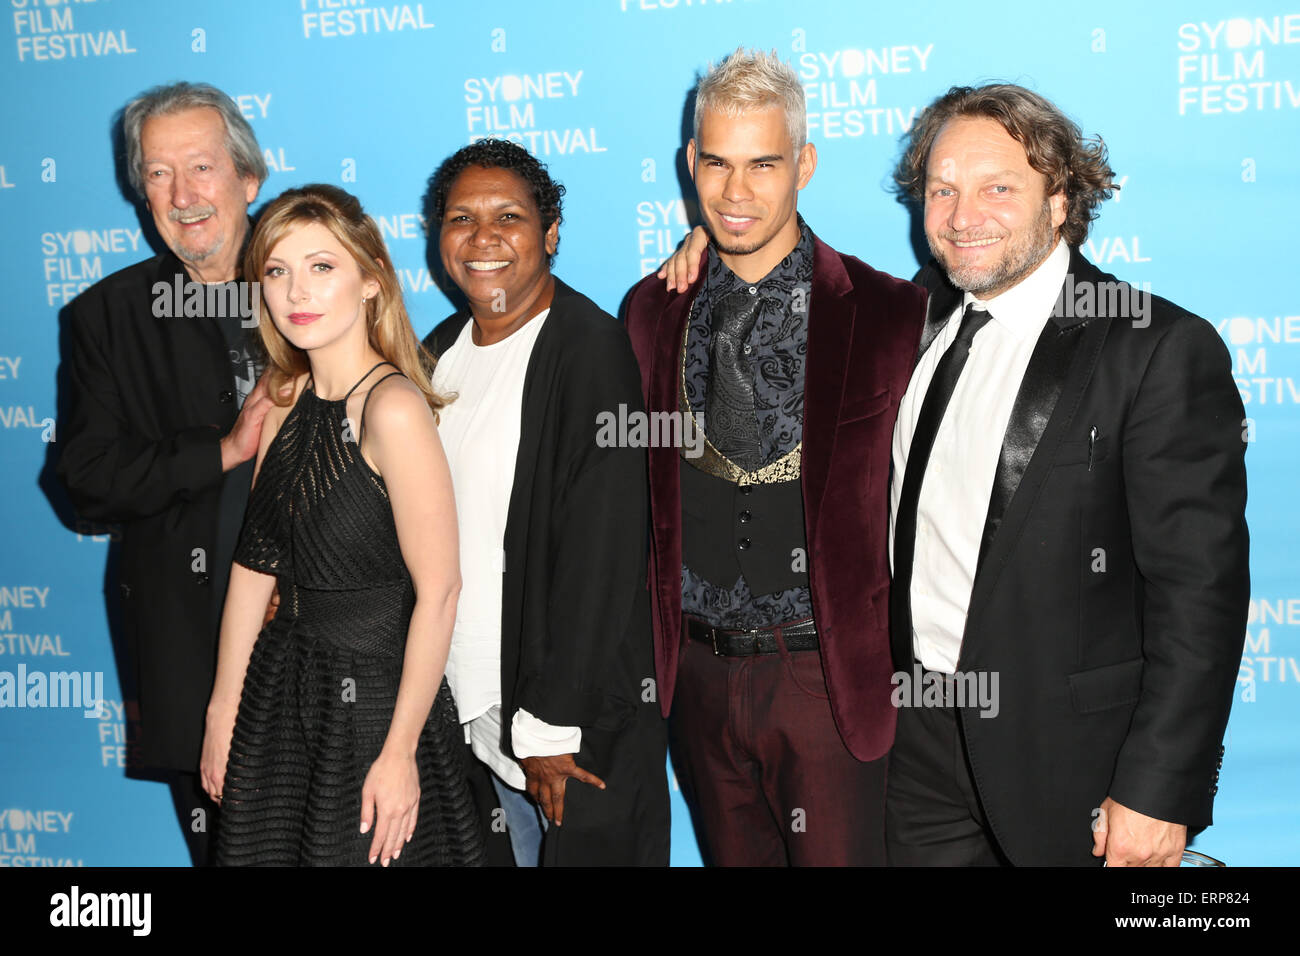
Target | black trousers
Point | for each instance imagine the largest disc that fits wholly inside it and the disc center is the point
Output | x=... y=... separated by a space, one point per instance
x=627 y=823
x=196 y=813
x=933 y=815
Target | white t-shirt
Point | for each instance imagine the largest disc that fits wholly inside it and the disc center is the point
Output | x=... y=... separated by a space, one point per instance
x=480 y=435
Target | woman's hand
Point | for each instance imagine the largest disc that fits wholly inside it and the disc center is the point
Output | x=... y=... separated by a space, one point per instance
x=218 y=730
x=546 y=777
x=684 y=265
x=390 y=802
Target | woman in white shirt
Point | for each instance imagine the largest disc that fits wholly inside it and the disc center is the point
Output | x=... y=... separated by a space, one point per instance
x=551 y=651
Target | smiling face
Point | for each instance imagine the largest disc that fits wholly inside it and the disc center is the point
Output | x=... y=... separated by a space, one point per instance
x=313 y=289
x=988 y=218
x=748 y=179
x=199 y=202
x=493 y=245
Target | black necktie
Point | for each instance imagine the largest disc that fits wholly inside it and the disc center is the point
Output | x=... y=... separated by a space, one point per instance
x=946 y=374
x=730 y=413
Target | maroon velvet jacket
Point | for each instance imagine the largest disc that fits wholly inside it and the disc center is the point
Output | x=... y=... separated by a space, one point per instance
x=863 y=331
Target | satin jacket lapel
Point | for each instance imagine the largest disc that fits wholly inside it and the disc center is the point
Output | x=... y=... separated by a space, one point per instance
x=941 y=302
x=1059 y=370
x=830 y=330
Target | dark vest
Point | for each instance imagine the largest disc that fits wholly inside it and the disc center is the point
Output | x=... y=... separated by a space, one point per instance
x=753 y=527
x=755 y=530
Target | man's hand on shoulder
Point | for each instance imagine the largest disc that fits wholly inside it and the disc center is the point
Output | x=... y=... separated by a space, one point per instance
x=1129 y=838
x=246 y=435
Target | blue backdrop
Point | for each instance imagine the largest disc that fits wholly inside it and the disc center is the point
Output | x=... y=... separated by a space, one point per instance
x=1197 y=101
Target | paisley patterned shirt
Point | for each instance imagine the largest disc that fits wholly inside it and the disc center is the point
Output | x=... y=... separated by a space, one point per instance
x=777 y=348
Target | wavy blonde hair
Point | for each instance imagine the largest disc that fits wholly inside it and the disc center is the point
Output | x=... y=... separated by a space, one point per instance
x=388 y=327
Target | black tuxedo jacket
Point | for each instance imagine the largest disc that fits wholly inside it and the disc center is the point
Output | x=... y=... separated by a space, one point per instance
x=1112 y=584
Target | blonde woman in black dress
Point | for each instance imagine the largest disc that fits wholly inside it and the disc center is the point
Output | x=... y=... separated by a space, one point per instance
x=332 y=737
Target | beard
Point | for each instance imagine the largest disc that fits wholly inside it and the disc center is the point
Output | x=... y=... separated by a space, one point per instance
x=192 y=253
x=1020 y=257
x=736 y=245
x=196 y=255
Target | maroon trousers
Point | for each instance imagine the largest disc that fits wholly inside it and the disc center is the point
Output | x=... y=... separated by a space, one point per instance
x=767 y=778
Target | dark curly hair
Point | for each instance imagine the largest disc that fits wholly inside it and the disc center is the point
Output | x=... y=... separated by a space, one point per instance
x=1054 y=146
x=548 y=195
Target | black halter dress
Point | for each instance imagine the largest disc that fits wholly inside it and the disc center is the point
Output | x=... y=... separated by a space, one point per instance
x=322 y=681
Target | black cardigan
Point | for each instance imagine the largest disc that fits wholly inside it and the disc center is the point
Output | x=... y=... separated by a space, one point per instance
x=576 y=648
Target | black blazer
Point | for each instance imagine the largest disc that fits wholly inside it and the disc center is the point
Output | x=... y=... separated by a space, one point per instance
x=1112 y=585
x=150 y=399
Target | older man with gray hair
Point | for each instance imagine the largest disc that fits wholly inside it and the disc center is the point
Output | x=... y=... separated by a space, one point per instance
x=164 y=415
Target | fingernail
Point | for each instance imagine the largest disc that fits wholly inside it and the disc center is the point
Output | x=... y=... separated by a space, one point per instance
x=364 y=827
x=373 y=858
x=396 y=854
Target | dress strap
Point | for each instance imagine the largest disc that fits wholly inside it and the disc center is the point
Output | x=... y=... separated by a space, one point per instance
x=361 y=432
x=363 y=378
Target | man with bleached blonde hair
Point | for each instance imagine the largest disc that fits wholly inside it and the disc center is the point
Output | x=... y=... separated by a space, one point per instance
x=770 y=578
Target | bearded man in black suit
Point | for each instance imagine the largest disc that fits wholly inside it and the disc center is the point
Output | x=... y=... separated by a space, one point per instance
x=1068 y=519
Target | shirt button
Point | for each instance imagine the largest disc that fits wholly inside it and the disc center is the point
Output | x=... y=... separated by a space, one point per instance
x=748 y=349
x=746 y=489
x=743 y=544
x=744 y=516
x=753 y=290
x=226 y=397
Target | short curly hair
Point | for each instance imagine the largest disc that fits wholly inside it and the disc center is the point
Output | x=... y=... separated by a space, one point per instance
x=492 y=153
x=1054 y=146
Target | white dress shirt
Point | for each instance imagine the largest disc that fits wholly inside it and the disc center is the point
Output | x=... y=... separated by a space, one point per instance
x=480 y=435
x=958 y=481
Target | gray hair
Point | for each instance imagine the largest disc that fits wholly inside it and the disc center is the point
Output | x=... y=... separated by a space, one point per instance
x=753 y=80
x=241 y=144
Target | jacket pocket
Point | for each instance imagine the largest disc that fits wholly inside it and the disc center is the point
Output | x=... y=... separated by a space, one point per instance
x=1076 y=452
x=1102 y=688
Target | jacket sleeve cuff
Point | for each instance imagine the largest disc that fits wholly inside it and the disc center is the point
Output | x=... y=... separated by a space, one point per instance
x=197 y=461
x=1174 y=797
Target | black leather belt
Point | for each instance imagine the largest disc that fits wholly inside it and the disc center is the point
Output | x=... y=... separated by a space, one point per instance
x=797 y=635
